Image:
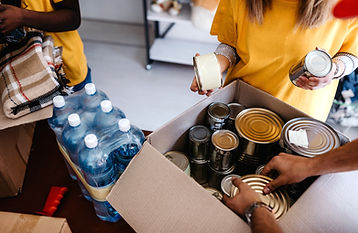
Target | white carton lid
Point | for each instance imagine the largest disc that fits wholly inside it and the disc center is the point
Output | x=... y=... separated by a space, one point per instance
x=91 y=141
x=58 y=101
x=74 y=119
x=90 y=89
x=106 y=106
x=124 y=125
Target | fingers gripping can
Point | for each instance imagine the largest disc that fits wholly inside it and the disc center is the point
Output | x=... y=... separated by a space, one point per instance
x=316 y=63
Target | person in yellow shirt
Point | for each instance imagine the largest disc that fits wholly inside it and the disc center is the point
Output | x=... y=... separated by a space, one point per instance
x=58 y=18
x=261 y=40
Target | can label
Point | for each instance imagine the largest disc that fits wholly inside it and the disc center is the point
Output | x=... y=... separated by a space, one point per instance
x=207 y=72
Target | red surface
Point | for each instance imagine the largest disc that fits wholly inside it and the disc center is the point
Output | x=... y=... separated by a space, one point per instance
x=46 y=168
x=53 y=200
x=346 y=9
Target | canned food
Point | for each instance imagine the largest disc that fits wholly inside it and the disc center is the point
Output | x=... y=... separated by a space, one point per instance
x=260 y=131
x=316 y=63
x=278 y=200
x=207 y=72
x=199 y=142
x=216 y=193
x=235 y=109
x=226 y=183
x=314 y=137
x=215 y=177
x=218 y=113
x=180 y=160
x=224 y=142
x=199 y=170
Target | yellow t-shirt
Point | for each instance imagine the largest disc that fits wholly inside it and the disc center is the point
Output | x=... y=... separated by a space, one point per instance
x=267 y=51
x=74 y=59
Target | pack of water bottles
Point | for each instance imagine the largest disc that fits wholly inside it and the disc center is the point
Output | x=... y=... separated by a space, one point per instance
x=97 y=142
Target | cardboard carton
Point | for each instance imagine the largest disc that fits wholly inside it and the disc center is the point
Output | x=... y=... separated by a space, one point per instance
x=153 y=195
x=20 y=223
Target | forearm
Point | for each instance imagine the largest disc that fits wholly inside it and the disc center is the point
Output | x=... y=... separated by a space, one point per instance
x=226 y=56
x=264 y=222
x=55 y=21
x=344 y=158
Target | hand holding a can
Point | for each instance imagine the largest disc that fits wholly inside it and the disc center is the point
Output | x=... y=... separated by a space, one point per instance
x=208 y=73
x=243 y=199
x=290 y=168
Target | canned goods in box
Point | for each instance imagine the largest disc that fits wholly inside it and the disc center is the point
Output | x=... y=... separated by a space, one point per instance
x=235 y=109
x=278 y=200
x=260 y=131
x=180 y=160
x=320 y=137
x=207 y=72
x=199 y=170
x=316 y=63
x=215 y=176
x=218 y=113
x=199 y=142
x=226 y=183
x=224 y=142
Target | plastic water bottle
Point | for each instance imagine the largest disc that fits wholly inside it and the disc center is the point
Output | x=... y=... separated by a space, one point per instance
x=124 y=144
x=72 y=138
x=106 y=119
x=98 y=170
x=90 y=102
x=61 y=110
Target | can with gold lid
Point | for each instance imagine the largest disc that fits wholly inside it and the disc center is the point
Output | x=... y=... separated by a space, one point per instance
x=180 y=160
x=224 y=144
x=199 y=170
x=308 y=137
x=235 y=109
x=199 y=142
x=217 y=115
x=278 y=200
x=260 y=130
x=215 y=177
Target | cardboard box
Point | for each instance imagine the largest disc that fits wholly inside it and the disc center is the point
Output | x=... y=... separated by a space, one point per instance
x=153 y=195
x=15 y=144
x=20 y=223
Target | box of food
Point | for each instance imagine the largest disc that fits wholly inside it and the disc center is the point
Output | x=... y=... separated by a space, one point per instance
x=153 y=195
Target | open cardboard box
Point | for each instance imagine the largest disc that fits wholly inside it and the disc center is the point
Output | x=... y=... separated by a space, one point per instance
x=153 y=195
x=21 y=223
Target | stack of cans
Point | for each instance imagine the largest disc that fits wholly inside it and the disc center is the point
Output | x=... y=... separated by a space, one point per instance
x=199 y=144
x=222 y=156
x=259 y=131
x=217 y=116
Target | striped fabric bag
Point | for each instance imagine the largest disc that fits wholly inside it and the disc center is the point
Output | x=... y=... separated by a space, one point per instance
x=28 y=79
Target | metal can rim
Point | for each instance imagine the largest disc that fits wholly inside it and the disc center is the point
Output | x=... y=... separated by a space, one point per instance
x=225 y=131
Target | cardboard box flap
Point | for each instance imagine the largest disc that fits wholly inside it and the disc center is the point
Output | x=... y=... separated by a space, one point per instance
x=151 y=189
x=20 y=223
x=330 y=205
x=6 y=122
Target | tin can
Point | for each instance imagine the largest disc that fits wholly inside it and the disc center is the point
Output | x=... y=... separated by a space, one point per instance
x=218 y=113
x=316 y=63
x=318 y=137
x=215 y=177
x=207 y=72
x=224 y=144
x=199 y=170
x=199 y=142
x=216 y=193
x=226 y=183
x=278 y=200
x=180 y=160
x=235 y=109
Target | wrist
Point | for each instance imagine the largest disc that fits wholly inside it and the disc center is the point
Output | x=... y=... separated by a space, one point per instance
x=254 y=208
x=223 y=62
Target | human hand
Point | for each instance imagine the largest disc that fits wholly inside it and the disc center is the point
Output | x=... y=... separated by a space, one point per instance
x=314 y=83
x=243 y=199
x=290 y=168
x=10 y=18
x=195 y=87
